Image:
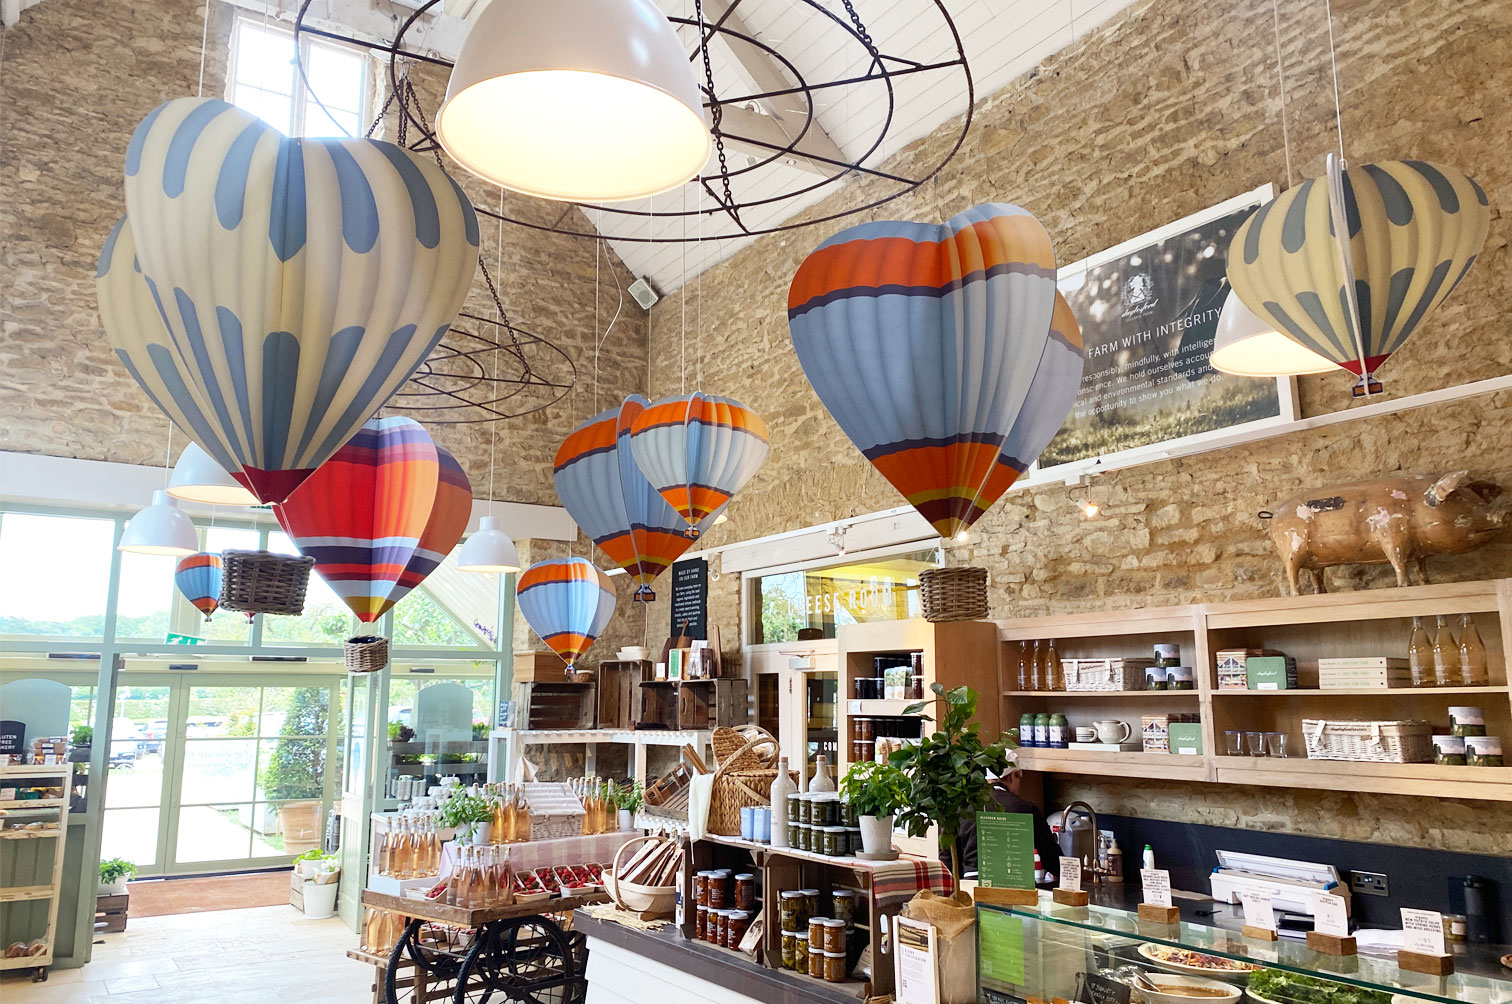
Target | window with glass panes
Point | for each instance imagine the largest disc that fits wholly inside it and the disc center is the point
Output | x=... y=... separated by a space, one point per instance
x=329 y=100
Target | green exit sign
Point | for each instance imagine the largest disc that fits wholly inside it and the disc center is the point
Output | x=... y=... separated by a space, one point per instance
x=182 y=639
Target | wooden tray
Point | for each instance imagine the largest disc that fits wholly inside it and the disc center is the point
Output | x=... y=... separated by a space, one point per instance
x=461 y=916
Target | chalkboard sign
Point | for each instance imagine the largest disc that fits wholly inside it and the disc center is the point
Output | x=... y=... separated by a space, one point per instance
x=690 y=598
x=12 y=737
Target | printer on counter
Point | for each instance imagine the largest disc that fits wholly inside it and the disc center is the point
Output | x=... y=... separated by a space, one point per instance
x=1290 y=884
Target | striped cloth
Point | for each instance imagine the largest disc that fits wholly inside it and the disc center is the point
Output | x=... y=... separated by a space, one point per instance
x=894 y=883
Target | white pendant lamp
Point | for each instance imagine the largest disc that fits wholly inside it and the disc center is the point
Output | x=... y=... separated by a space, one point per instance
x=575 y=100
x=1248 y=345
x=198 y=478
x=488 y=550
x=161 y=528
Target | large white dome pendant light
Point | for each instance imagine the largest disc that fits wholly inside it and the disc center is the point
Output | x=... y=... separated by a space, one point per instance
x=198 y=478
x=1247 y=345
x=489 y=549
x=161 y=528
x=575 y=100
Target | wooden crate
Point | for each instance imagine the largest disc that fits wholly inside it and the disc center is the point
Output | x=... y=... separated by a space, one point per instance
x=618 y=692
x=780 y=872
x=543 y=667
x=710 y=704
x=658 y=705
x=556 y=705
x=110 y=913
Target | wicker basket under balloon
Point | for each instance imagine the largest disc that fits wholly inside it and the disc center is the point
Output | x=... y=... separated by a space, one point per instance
x=261 y=582
x=953 y=594
x=365 y=653
x=747 y=767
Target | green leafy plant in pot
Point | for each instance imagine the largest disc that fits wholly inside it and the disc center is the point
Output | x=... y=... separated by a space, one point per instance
x=876 y=791
x=469 y=815
x=114 y=873
x=80 y=741
x=629 y=797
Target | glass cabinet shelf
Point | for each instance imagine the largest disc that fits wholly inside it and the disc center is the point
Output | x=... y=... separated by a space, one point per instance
x=1045 y=953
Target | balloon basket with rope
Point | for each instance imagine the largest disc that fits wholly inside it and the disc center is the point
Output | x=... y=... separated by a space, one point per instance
x=261 y=582
x=953 y=594
x=747 y=759
x=365 y=653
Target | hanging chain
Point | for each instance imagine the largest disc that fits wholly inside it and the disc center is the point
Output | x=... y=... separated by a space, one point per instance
x=716 y=115
x=861 y=32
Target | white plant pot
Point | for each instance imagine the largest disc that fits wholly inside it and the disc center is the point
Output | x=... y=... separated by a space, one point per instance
x=319 y=900
x=626 y=819
x=876 y=834
x=116 y=888
x=481 y=833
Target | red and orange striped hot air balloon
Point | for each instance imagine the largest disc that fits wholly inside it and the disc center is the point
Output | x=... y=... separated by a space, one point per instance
x=567 y=602
x=379 y=515
x=698 y=451
x=607 y=496
x=939 y=350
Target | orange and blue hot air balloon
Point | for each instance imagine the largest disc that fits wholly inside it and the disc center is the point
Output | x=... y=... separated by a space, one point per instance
x=567 y=602
x=606 y=494
x=198 y=577
x=698 y=451
x=939 y=351
x=366 y=514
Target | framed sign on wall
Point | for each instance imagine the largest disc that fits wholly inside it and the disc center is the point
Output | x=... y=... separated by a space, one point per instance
x=1148 y=310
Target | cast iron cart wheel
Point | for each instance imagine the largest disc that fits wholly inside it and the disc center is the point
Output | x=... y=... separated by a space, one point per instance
x=437 y=964
x=530 y=960
x=39 y=975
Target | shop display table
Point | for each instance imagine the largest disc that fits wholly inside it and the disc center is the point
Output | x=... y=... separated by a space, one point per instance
x=468 y=956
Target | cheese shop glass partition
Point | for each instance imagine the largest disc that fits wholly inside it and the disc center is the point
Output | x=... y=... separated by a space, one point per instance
x=846 y=592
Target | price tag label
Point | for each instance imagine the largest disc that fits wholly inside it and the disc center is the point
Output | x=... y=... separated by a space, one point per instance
x=1186 y=751
x=1423 y=932
x=1070 y=874
x=1330 y=916
x=1258 y=911
x=1267 y=686
x=1157 y=886
x=855 y=707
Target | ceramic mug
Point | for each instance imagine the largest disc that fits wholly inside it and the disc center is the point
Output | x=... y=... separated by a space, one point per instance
x=1113 y=731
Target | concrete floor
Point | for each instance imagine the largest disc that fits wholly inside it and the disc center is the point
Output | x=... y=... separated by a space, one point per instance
x=264 y=955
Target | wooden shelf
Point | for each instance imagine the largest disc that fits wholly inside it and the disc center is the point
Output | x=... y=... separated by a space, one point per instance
x=1362 y=604
x=1150 y=620
x=28 y=834
x=24 y=893
x=1170 y=766
x=1365 y=692
x=1107 y=694
x=1493 y=783
x=885 y=709
x=32 y=803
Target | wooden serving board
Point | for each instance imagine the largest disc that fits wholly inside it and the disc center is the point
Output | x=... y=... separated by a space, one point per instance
x=461 y=916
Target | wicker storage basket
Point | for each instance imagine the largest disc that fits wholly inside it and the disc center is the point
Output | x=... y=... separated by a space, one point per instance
x=734 y=750
x=953 y=594
x=555 y=812
x=261 y=582
x=1105 y=674
x=365 y=653
x=647 y=900
x=744 y=778
x=1381 y=742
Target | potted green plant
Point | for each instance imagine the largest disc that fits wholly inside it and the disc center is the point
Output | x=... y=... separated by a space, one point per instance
x=398 y=732
x=80 y=741
x=114 y=874
x=294 y=776
x=628 y=799
x=321 y=875
x=876 y=791
x=469 y=815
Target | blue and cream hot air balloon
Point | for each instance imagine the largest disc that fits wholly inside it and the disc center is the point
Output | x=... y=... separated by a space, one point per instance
x=297 y=282
x=1414 y=229
x=568 y=602
x=606 y=494
x=198 y=577
x=942 y=350
x=698 y=451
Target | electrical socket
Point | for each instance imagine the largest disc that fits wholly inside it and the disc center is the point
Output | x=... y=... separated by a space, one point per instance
x=1369 y=883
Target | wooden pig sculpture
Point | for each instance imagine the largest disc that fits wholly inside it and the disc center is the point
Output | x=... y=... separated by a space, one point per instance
x=1397 y=520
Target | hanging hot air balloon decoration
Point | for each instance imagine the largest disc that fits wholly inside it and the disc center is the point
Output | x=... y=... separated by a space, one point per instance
x=271 y=293
x=606 y=494
x=697 y=451
x=1414 y=229
x=944 y=352
x=567 y=602
x=380 y=515
x=198 y=577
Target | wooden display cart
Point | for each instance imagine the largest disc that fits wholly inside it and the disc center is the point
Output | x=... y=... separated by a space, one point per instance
x=1374 y=622
x=31 y=863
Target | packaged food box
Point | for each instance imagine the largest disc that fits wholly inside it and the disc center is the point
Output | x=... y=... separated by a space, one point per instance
x=1155 y=732
x=1231 y=666
x=1377 y=672
x=1185 y=738
x=1270 y=672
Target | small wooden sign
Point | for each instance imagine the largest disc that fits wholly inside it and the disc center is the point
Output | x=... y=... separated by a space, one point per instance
x=1005 y=897
x=1160 y=914
x=1071 y=897
x=1433 y=965
x=1331 y=944
x=1258 y=933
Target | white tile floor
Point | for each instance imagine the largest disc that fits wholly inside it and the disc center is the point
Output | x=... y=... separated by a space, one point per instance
x=266 y=955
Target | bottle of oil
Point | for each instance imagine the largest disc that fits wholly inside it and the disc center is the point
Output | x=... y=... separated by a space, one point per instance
x=1474 y=670
x=1420 y=656
x=1055 y=676
x=1038 y=668
x=1446 y=657
x=1025 y=667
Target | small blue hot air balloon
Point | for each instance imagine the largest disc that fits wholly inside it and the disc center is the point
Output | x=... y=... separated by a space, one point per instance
x=198 y=577
x=698 y=451
x=567 y=602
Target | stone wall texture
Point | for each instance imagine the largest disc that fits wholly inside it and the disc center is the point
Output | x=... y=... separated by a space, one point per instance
x=1167 y=109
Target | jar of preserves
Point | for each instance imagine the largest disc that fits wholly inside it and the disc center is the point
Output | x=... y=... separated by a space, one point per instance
x=844 y=905
x=722 y=928
x=863 y=728
x=745 y=891
x=701 y=888
x=740 y=922
x=794 y=807
x=834 y=935
x=816 y=933
x=834 y=967
x=719 y=889
x=834 y=842
x=815 y=961
x=789 y=947
x=801 y=952
x=701 y=923
x=848 y=815
x=805 y=808
x=810 y=901
x=795 y=910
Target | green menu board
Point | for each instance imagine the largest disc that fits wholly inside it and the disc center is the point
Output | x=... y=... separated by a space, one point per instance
x=1005 y=850
x=1000 y=947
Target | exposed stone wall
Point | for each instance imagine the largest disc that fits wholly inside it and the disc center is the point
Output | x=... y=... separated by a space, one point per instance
x=1167 y=109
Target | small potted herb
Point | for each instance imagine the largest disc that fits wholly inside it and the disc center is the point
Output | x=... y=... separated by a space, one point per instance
x=80 y=741
x=875 y=791
x=114 y=874
x=469 y=815
x=398 y=732
x=321 y=874
x=628 y=798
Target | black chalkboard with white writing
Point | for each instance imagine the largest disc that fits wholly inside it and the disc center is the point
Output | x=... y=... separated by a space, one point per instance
x=690 y=598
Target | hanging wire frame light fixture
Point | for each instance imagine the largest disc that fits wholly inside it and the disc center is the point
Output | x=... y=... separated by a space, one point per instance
x=737 y=193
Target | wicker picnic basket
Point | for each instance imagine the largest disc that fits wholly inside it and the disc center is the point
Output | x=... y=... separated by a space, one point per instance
x=744 y=776
x=261 y=582
x=365 y=653
x=953 y=594
x=1408 y=741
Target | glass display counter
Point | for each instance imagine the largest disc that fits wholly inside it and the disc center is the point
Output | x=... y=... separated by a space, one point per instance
x=1090 y=955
